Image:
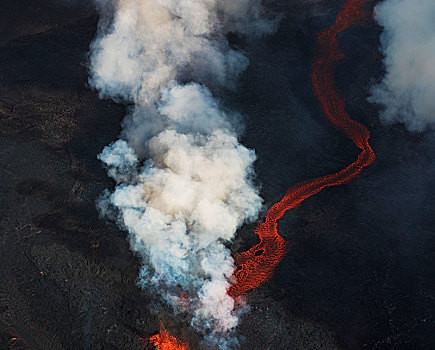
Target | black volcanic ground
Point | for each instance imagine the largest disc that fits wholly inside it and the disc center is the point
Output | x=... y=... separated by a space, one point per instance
x=360 y=274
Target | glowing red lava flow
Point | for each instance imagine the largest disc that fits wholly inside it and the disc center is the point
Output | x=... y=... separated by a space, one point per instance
x=256 y=265
x=164 y=341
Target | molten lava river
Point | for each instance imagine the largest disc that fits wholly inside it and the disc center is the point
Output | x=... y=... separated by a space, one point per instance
x=256 y=265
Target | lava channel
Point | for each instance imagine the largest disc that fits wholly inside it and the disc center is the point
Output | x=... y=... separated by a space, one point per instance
x=256 y=265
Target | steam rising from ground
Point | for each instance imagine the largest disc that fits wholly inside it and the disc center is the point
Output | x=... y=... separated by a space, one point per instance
x=184 y=183
x=408 y=43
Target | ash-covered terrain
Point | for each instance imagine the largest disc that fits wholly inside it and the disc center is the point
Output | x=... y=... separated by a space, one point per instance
x=359 y=274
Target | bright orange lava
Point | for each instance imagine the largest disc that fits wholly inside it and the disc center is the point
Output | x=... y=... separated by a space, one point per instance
x=257 y=265
x=164 y=341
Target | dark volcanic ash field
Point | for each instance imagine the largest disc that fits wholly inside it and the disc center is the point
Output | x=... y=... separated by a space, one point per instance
x=360 y=271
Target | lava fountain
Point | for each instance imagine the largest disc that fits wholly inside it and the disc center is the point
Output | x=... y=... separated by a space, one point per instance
x=164 y=341
x=256 y=265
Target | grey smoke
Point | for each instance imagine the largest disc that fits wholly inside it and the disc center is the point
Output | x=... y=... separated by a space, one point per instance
x=407 y=91
x=184 y=182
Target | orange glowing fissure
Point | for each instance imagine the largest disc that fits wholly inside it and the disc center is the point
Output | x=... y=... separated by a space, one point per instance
x=256 y=265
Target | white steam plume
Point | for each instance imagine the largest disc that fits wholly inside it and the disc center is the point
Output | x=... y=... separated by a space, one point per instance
x=408 y=42
x=184 y=183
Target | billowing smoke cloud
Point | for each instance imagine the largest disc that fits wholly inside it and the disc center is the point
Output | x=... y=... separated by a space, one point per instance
x=184 y=183
x=408 y=43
